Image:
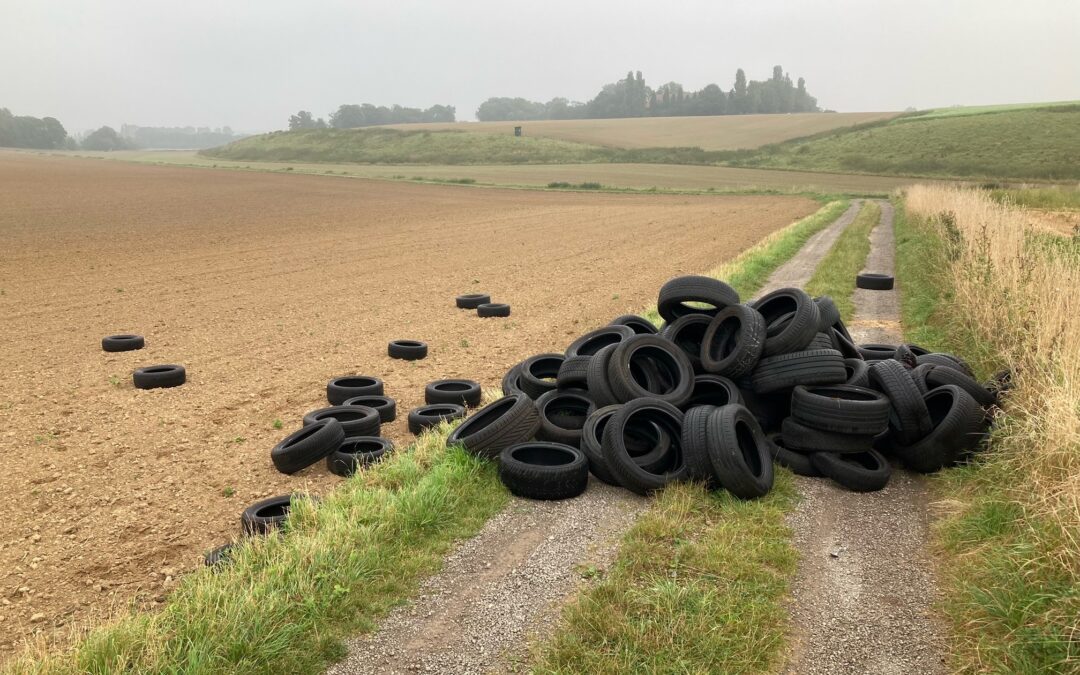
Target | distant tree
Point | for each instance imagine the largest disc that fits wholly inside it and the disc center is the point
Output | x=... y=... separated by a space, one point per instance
x=30 y=132
x=301 y=120
x=105 y=139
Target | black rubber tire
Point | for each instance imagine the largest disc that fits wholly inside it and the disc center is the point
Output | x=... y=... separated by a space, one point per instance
x=943 y=359
x=958 y=426
x=713 y=390
x=805 y=439
x=124 y=342
x=219 y=556
x=639 y=324
x=828 y=313
x=267 y=515
x=733 y=342
x=573 y=373
x=384 y=405
x=490 y=430
x=461 y=392
x=624 y=468
x=905 y=357
x=687 y=333
x=786 y=371
x=493 y=309
x=822 y=341
x=672 y=378
x=842 y=343
x=741 y=456
x=341 y=389
x=407 y=350
x=159 y=377
x=307 y=445
x=841 y=408
x=874 y=282
x=877 y=352
x=858 y=372
x=859 y=471
x=472 y=300
x=939 y=376
x=695 y=445
x=698 y=289
x=918 y=375
x=799 y=463
x=356 y=452
x=649 y=448
x=592 y=342
x=769 y=409
x=511 y=382
x=539 y=470
x=538 y=374
x=356 y=420
x=562 y=416
x=427 y=416
x=909 y=419
x=793 y=334
x=591 y=439
x=599 y=387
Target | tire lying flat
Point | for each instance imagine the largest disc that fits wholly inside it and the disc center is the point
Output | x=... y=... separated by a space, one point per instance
x=541 y=470
x=159 y=377
x=124 y=342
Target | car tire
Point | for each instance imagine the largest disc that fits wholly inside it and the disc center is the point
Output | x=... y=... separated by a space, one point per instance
x=341 y=389
x=909 y=419
x=675 y=293
x=124 y=342
x=538 y=374
x=407 y=350
x=733 y=342
x=807 y=440
x=672 y=372
x=159 y=377
x=540 y=470
x=427 y=416
x=493 y=309
x=859 y=472
x=623 y=466
x=490 y=430
x=384 y=405
x=874 y=282
x=639 y=324
x=461 y=392
x=356 y=452
x=562 y=416
x=472 y=300
x=785 y=334
x=786 y=371
x=740 y=454
x=307 y=445
x=356 y=420
x=841 y=408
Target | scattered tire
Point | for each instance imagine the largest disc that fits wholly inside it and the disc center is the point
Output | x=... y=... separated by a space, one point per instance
x=909 y=419
x=786 y=371
x=713 y=390
x=591 y=443
x=828 y=312
x=688 y=332
x=356 y=452
x=511 y=382
x=539 y=470
x=741 y=455
x=799 y=463
x=538 y=373
x=266 y=515
x=384 y=405
x=807 y=439
x=510 y=420
x=713 y=293
x=841 y=408
x=859 y=472
x=842 y=343
x=219 y=556
x=407 y=350
x=309 y=444
x=943 y=359
x=125 y=342
x=695 y=445
x=958 y=425
x=562 y=416
x=597 y=378
x=356 y=420
x=159 y=377
x=874 y=282
x=940 y=376
x=791 y=319
x=858 y=372
x=427 y=416
x=461 y=392
x=733 y=342
x=877 y=352
x=493 y=309
x=627 y=472
x=573 y=373
x=666 y=374
x=472 y=300
x=341 y=389
x=639 y=324
x=592 y=342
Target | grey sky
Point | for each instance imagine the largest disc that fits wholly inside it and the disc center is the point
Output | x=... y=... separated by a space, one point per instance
x=250 y=63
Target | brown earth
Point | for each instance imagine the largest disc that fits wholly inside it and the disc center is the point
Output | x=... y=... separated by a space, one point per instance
x=265 y=286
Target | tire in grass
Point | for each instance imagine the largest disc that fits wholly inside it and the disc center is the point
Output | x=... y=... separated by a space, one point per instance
x=733 y=342
x=159 y=377
x=267 y=515
x=219 y=556
x=949 y=360
x=624 y=468
x=341 y=389
x=356 y=452
x=384 y=405
x=713 y=293
x=695 y=445
x=958 y=426
x=461 y=392
x=740 y=454
x=407 y=350
x=472 y=300
x=490 y=430
x=124 y=342
x=541 y=470
x=427 y=416
x=859 y=471
x=307 y=445
x=940 y=376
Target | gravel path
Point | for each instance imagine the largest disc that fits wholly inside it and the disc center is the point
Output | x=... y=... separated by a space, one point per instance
x=864 y=591
x=508 y=583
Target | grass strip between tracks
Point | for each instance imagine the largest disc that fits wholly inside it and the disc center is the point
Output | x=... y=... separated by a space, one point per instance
x=284 y=604
x=979 y=283
x=835 y=275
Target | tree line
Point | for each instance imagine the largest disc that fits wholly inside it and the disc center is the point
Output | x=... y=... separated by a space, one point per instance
x=350 y=116
x=23 y=131
x=631 y=97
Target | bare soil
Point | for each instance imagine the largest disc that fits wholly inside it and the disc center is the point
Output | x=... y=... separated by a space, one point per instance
x=265 y=286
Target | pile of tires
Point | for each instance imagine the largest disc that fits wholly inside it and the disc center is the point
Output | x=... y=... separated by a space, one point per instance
x=718 y=393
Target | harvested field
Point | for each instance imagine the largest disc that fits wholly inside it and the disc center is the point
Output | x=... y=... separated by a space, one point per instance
x=264 y=286
x=723 y=132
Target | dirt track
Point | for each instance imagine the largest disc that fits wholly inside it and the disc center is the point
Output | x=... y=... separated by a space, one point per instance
x=265 y=286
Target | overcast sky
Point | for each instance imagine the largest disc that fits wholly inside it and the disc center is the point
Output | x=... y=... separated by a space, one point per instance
x=250 y=63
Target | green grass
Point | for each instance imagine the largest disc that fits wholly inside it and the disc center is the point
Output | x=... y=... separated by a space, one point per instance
x=967 y=110
x=1035 y=144
x=1055 y=198
x=285 y=603
x=698 y=587
x=835 y=275
x=921 y=258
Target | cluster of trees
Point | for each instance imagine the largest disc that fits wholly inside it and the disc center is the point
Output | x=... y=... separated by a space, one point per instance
x=365 y=115
x=106 y=139
x=631 y=97
x=22 y=131
x=177 y=138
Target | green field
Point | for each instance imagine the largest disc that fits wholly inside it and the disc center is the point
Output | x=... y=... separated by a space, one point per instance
x=964 y=110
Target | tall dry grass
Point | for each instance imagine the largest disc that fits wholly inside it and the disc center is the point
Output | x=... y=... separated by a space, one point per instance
x=1017 y=294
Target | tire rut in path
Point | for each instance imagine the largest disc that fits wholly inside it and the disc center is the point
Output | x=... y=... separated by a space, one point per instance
x=863 y=595
x=508 y=583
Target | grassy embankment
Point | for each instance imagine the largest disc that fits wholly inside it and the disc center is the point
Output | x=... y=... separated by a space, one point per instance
x=285 y=604
x=835 y=276
x=699 y=581
x=977 y=281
